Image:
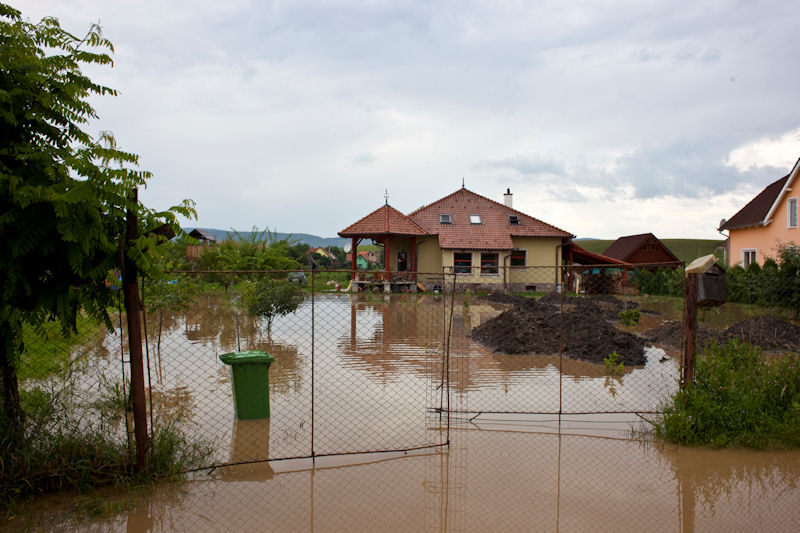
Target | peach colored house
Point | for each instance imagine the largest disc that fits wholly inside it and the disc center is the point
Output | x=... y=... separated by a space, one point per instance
x=769 y=219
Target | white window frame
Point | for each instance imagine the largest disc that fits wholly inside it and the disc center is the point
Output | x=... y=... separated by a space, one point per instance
x=791 y=208
x=445 y=218
x=745 y=252
x=475 y=219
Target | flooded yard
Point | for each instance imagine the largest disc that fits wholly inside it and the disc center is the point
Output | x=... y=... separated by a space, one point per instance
x=510 y=473
x=374 y=368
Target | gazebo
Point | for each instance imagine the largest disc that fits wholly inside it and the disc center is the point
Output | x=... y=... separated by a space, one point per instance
x=396 y=232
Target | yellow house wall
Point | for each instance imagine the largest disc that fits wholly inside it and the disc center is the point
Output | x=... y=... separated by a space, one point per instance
x=539 y=253
x=765 y=239
x=399 y=244
x=429 y=259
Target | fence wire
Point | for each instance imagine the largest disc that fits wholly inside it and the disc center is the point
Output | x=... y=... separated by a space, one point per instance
x=506 y=361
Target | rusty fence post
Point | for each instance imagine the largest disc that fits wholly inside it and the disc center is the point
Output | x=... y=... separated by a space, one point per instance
x=689 y=331
x=132 y=307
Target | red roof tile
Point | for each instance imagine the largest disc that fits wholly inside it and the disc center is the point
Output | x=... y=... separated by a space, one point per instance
x=756 y=210
x=493 y=233
x=385 y=220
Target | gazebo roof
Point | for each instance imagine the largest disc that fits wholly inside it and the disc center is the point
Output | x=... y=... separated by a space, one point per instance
x=386 y=220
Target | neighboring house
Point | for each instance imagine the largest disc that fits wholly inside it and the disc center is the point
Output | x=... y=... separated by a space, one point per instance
x=193 y=251
x=643 y=249
x=320 y=253
x=364 y=260
x=465 y=233
x=767 y=221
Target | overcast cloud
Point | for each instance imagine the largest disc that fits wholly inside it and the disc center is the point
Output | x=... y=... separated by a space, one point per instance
x=604 y=118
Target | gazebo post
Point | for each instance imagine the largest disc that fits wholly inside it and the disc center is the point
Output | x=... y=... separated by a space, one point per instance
x=387 y=243
x=414 y=257
x=353 y=257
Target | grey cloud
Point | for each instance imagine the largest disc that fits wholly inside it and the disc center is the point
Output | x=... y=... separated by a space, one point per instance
x=685 y=171
x=535 y=167
x=363 y=159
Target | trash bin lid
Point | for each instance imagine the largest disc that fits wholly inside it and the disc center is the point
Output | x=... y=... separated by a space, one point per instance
x=249 y=356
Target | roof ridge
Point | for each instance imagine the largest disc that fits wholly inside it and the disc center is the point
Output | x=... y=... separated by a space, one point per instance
x=504 y=206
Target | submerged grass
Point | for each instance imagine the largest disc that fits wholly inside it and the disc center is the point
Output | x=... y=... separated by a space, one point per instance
x=74 y=439
x=738 y=399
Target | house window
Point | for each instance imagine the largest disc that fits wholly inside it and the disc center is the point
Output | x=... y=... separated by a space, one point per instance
x=514 y=220
x=445 y=219
x=489 y=262
x=791 y=206
x=517 y=258
x=474 y=219
x=462 y=262
x=748 y=257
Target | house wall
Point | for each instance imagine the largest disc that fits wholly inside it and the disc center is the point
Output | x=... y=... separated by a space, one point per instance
x=429 y=259
x=540 y=258
x=764 y=239
x=539 y=253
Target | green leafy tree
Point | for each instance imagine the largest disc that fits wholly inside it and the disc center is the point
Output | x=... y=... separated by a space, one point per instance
x=257 y=250
x=63 y=193
x=169 y=292
x=269 y=298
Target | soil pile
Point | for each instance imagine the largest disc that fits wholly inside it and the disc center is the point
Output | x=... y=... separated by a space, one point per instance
x=670 y=333
x=765 y=332
x=538 y=328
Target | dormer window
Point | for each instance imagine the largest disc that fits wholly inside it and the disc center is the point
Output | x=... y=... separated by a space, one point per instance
x=514 y=220
x=474 y=219
x=445 y=219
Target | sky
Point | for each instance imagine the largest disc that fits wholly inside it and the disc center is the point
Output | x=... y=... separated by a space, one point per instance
x=603 y=118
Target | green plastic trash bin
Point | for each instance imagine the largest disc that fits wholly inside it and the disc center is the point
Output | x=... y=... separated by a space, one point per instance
x=250 y=382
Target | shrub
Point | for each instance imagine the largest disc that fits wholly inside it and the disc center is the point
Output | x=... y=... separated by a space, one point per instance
x=738 y=399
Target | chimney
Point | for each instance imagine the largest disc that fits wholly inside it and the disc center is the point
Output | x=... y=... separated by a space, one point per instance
x=508 y=199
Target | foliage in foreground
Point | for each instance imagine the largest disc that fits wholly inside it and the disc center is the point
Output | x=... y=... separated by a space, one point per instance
x=64 y=194
x=738 y=399
x=70 y=441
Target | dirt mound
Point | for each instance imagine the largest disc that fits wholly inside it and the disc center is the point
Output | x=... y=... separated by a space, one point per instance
x=553 y=298
x=505 y=298
x=765 y=332
x=540 y=329
x=670 y=333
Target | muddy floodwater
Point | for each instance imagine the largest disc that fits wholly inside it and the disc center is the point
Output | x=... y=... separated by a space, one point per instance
x=508 y=462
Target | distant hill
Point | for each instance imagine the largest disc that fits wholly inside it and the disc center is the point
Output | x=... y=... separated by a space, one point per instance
x=686 y=250
x=312 y=240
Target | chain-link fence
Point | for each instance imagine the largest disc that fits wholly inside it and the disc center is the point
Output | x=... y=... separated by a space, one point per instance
x=521 y=369
x=361 y=371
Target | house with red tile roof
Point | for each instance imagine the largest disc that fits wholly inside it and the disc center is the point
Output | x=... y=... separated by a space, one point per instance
x=765 y=222
x=464 y=233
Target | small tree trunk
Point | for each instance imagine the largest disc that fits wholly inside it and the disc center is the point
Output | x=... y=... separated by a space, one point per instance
x=160 y=322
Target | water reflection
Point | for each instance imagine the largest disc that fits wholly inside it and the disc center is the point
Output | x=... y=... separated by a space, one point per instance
x=508 y=478
x=388 y=341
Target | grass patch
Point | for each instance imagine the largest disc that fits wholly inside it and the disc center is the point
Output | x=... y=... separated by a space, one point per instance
x=738 y=399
